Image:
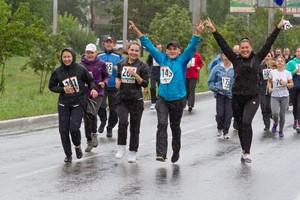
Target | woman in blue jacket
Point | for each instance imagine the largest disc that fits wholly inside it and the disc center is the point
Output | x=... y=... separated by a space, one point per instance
x=220 y=82
x=172 y=90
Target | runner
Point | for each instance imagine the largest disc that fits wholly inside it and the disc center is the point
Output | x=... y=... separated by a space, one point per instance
x=245 y=90
x=111 y=58
x=264 y=95
x=293 y=67
x=171 y=91
x=97 y=69
x=154 y=75
x=220 y=82
x=132 y=75
x=63 y=80
x=192 y=77
x=279 y=80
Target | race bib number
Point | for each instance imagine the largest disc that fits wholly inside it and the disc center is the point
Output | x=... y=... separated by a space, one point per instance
x=166 y=75
x=298 y=67
x=109 y=67
x=126 y=77
x=266 y=74
x=278 y=84
x=192 y=62
x=225 y=83
x=72 y=81
x=155 y=63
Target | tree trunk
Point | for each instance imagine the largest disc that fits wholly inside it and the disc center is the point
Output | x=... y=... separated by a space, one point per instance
x=2 y=80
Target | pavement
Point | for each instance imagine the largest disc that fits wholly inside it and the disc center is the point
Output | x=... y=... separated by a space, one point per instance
x=29 y=124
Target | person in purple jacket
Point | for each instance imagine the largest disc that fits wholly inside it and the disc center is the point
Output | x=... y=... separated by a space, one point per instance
x=97 y=69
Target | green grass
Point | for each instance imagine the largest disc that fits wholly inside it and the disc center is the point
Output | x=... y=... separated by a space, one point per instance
x=21 y=97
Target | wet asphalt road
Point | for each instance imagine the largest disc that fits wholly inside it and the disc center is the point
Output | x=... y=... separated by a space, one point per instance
x=209 y=168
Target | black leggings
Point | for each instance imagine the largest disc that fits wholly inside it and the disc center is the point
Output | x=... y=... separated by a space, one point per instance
x=244 y=108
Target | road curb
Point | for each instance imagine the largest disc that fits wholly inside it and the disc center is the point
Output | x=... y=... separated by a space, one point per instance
x=45 y=121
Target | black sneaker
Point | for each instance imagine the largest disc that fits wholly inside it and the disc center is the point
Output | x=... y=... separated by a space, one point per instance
x=78 y=152
x=175 y=157
x=190 y=108
x=68 y=159
x=108 y=132
x=101 y=128
x=161 y=158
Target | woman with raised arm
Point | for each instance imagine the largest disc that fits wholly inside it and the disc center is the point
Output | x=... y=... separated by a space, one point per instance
x=245 y=90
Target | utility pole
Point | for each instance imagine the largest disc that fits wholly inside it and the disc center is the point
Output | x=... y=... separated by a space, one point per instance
x=271 y=17
x=125 y=22
x=54 y=16
x=196 y=8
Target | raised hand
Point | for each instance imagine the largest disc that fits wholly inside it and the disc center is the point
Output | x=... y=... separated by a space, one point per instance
x=281 y=23
x=210 y=25
x=200 y=27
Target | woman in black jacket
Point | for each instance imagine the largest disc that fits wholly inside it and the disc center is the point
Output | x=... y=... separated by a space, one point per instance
x=69 y=81
x=245 y=91
x=131 y=76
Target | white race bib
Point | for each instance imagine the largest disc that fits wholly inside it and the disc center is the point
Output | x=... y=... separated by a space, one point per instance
x=192 y=62
x=266 y=74
x=154 y=63
x=126 y=77
x=225 y=83
x=74 y=80
x=109 y=67
x=166 y=75
x=297 y=67
x=278 y=84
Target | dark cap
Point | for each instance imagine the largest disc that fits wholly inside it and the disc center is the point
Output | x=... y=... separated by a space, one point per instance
x=108 y=38
x=173 y=43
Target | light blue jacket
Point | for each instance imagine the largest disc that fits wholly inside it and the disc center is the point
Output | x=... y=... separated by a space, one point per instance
x=114 y=58
x=175 y=90
x=215 y=80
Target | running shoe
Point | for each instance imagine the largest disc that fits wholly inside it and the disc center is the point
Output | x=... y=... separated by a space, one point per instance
x=152 y=106
x=101 y=127
x=281 y=134
x=298 y=128
x=68 y=159
x=175 y=157
x=78 y=152
x=295 y=124
x=121 y=151
x=161 y=158
x=89 y=147
x=219 y=133
x=108 y=132
x=132 y=156
x=274 y=128
x=94 y=140
x=226 y=136
x=245 y=158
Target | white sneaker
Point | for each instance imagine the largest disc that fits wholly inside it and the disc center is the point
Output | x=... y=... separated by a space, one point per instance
x=219 y=133
x=132 y=157
x=121 y=151
x=226 y=136
x=152 y=106
x=246 y=158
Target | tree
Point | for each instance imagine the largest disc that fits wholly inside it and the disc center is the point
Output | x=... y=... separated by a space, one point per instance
x=77 y=36
x=17 y=31
x=217 y=9
x=45 y=56
x=175 y=24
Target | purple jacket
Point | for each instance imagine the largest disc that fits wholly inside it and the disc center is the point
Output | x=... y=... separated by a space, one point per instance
x=97 y=69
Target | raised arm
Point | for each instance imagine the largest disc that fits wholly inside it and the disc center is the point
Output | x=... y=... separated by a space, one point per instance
x=135 y=29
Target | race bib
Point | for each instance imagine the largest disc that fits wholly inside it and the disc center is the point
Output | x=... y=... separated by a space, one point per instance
x=155 y=63
x=126 y=77
x=109 y=67
x=266 y=74
x=297 y=67
x=192 y=62
x=225 y=83
x=278 y=84
x=166 y=75
x=67 y=82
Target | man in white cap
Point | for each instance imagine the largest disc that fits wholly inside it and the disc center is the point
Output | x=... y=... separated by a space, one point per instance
x=97 y=69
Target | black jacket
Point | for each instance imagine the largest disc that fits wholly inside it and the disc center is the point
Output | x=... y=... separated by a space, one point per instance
x=79 y=76
x=132 y=91
x=246 y=70
x=154 y=70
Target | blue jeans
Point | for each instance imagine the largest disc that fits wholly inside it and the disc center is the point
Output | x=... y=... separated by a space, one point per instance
x=224 y=112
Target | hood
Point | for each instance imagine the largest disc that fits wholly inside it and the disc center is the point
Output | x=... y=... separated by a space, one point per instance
x=85 y=61
x=73 y=55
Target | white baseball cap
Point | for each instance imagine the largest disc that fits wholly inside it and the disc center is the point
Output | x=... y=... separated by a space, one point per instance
x=91 y=47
